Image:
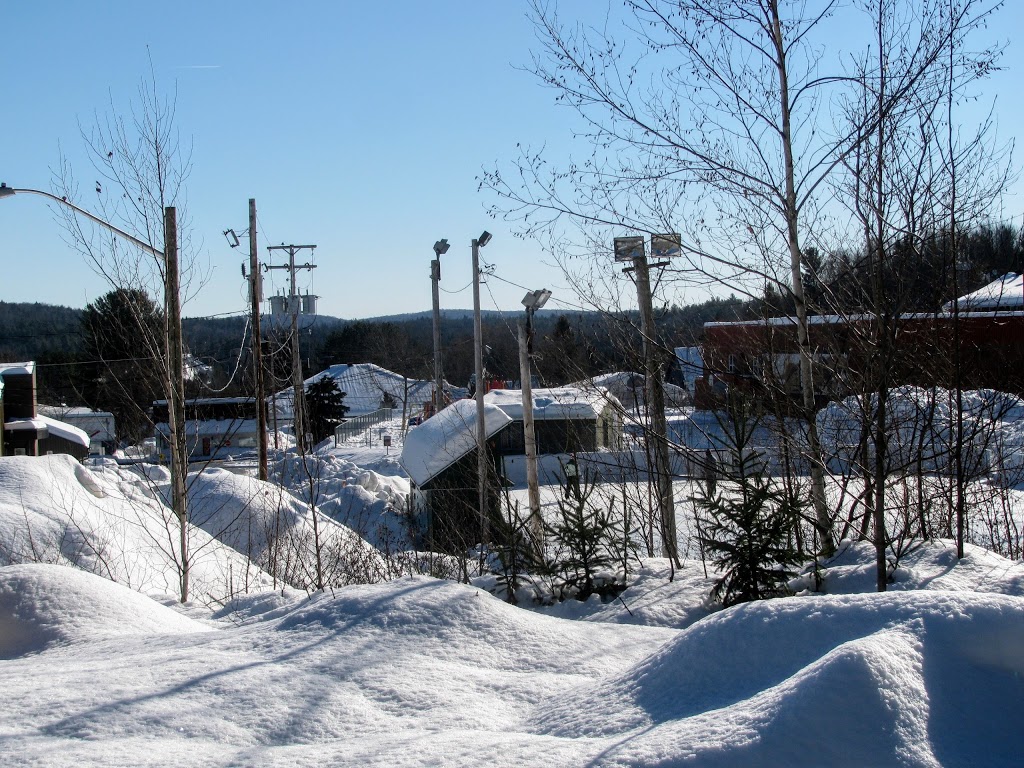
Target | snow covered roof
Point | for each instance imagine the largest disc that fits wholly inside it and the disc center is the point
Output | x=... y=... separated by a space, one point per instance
x=445 y=438
x=17 y=369
x=67 y=431
x=974 y=311
x=54 y=427
x=1007 y=292
x=24 y=425
x=365 y=385
x=74 y=411
x=553 y=403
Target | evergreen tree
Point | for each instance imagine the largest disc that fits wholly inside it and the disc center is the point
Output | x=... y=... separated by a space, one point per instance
x=123 y=334
x=325 y=406
x=748 y=523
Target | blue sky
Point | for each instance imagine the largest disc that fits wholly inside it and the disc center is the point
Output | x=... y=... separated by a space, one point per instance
x=360 y=127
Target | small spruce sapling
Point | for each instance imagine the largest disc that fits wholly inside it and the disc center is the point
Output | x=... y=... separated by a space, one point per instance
x=748 y=523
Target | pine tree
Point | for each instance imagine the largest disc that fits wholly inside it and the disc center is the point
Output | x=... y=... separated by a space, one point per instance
x=325 y=404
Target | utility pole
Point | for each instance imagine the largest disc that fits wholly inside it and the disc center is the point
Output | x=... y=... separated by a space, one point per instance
x=298 y=414
x=256 y=295
x=654 y=374
x=440 y=248
x=478 y=355
x=176 y=391
x=632 y=249
x=533 y=301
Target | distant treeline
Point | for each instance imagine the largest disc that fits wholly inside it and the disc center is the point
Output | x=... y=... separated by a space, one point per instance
x=567 y=345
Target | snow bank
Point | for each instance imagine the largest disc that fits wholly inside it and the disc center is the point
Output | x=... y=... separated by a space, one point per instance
x=907 y=679
x=371 y=504
x=42 y=606
x=275 y=529
x=108 y=521
x=921 y=424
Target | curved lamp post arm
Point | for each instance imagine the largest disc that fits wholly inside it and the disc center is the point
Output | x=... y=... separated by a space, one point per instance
x=6 y=191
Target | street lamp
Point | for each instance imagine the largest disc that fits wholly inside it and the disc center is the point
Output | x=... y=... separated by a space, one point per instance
x=533 y=301
x=440 y=248
x=478 y=350
x=174 y=351
x=6 y=191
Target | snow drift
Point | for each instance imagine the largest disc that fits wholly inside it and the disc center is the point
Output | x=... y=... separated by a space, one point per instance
x=107 y=521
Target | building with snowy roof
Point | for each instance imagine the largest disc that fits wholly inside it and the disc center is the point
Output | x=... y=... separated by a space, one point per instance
x=440 y=456
x=215 y=428
x=566 y=420
x=25 y=431
x=981 y=342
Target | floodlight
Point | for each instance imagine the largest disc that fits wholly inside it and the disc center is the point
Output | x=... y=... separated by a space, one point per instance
x=441 y=247
x=536 y=299
x=231 y=237
x=629 y=248
x=484 y=239
x=666 y=246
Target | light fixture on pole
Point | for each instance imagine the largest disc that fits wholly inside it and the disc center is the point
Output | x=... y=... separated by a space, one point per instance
x=533 y=301
x=440 y=248
x=631 y=249
x=478 y=354
x=174 y=352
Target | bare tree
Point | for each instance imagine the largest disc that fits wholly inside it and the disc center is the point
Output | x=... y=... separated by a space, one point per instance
x=141 y=168
x=710 y=117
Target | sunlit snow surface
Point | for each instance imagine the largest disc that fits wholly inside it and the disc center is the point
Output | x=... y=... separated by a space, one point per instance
x=426 y=672
x=417 y=671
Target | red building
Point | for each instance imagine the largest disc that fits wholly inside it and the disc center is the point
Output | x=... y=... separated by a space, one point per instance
x=759 y=354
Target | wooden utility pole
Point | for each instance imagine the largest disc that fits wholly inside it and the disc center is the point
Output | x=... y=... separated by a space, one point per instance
x=176 y=391
x=255 y=293
x=530 y=436
x=654 y=376
x=294 y=302
x=481 y=427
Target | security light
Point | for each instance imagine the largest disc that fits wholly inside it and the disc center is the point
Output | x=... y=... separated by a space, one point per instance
x=629 y=248
x=536 y=299
x=231 y=237
x=441 y=247
x=666 y=246
x=484 y=239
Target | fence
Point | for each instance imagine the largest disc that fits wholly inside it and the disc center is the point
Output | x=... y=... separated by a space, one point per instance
x=358 y=424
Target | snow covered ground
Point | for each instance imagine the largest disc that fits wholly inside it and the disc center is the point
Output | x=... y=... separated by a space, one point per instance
x=418 y=671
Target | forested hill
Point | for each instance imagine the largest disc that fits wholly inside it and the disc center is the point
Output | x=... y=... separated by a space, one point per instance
x=29 y=331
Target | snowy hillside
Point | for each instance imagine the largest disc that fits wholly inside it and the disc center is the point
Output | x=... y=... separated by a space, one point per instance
x=107 y=521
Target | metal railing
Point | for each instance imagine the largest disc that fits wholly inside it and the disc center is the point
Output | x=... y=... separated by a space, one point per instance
x=358 y=424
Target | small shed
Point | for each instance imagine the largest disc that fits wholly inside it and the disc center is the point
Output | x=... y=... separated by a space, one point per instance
x=99 y=425
x=440 y=456
x=566 y=420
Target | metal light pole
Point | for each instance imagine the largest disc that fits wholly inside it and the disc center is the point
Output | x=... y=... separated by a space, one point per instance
x=478 y=354
x=532 y=301
x=174 y=352
x=440 y=248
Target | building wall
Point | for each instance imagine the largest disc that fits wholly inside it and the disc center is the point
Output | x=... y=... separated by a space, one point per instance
x=746 y=355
